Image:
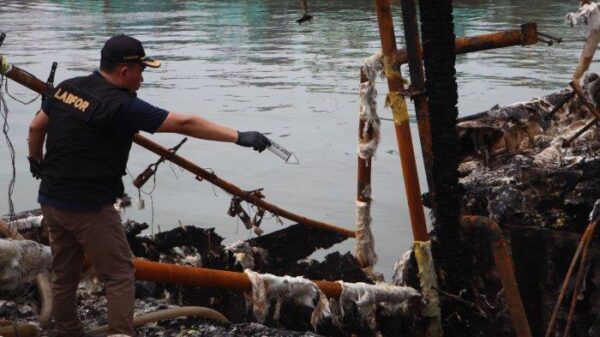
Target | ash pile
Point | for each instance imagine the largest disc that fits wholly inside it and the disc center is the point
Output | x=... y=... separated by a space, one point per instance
x=298 y=309
x=534 y=168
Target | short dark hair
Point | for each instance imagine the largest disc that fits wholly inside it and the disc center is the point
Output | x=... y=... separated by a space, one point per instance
x=108 y=65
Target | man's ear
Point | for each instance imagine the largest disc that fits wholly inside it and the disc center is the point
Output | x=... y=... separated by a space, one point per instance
x=123 y=69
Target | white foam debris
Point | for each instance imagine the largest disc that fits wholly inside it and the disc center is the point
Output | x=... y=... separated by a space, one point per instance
x=552 y=156
x=267 y=288
x=588 y=15
x=371 y=67
x=400 y=269
x=21 y=261
x=368 y=296
x=364 y=244
x=242 y=252
x=28 y=222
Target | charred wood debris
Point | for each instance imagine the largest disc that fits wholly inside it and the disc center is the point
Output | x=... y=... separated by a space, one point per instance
x=283 y=252
x=515 y=169
x=532 y=167
x=519 y=169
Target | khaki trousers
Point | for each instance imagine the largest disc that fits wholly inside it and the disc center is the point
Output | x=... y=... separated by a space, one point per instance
x=99 y=235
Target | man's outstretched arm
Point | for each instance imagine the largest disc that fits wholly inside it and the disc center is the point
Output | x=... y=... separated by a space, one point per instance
x=198 y=127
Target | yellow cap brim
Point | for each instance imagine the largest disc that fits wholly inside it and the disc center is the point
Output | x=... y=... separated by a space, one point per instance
x=150 y=62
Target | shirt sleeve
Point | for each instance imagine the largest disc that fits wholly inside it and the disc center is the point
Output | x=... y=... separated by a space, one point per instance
x=136 y=115
x=46 y=106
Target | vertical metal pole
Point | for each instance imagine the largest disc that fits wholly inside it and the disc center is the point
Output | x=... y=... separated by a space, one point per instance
x=407 y=156
x=364 y=247
x=363 y=188
x=417 y=84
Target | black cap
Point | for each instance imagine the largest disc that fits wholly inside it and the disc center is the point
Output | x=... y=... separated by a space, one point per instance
x=123 y=48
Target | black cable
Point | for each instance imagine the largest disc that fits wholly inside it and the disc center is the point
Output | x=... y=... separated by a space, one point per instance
x=11 y=151
x=15 y=98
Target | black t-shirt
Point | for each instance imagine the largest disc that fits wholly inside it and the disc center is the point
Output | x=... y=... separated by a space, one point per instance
x=133 y=116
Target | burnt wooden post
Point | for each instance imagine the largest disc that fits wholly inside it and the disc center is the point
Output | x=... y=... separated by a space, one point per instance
x=437 y=29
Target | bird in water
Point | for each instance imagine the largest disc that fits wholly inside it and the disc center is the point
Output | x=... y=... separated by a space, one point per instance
x=305 y=16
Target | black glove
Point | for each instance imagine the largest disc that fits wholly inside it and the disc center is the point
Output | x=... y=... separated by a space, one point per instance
x=254 y=139
x=35 y=166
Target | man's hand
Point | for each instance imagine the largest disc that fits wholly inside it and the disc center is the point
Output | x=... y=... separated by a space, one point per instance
x=254 y=139
x=35 y=166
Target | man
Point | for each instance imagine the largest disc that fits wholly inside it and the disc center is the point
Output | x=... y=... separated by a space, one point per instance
x=89 y=123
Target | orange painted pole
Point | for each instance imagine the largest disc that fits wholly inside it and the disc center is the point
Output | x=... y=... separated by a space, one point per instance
x=401 y=123
x=205 y=277
x=525 y=36
x=504 y=266
x=35 y=84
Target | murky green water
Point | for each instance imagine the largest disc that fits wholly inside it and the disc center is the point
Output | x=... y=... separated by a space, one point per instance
x=247 y=64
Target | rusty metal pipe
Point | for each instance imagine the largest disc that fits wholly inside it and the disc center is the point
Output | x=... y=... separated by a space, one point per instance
x=587 y=55
x=227 y=186
x=402 y=127
x=563 y=290
x=579 y=279
x=504 y=266
x=579 y=132
x=37 y=85
x=527 y=35
x=364 y=166
x=417 y=84
x=205 y=277
x=577 y=88
x=28 y=80
x=19 y=330
x=363 y=190
x=170 y=313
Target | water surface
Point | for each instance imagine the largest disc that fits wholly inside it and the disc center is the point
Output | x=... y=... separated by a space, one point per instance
x=249 y=65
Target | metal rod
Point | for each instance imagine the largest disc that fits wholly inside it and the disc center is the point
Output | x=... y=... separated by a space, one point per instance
x=559 y=105
x=565 y=285
x=229 y=187
x=527 y=35
x=417 y=83
x=557 y=39
x=579 y=280
x=204 y=277
x=363 y=187
x=150 y=171
x=37 y=85
x=504 y=266
x=579 y=132
x=577 y=88
x=403 y=136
